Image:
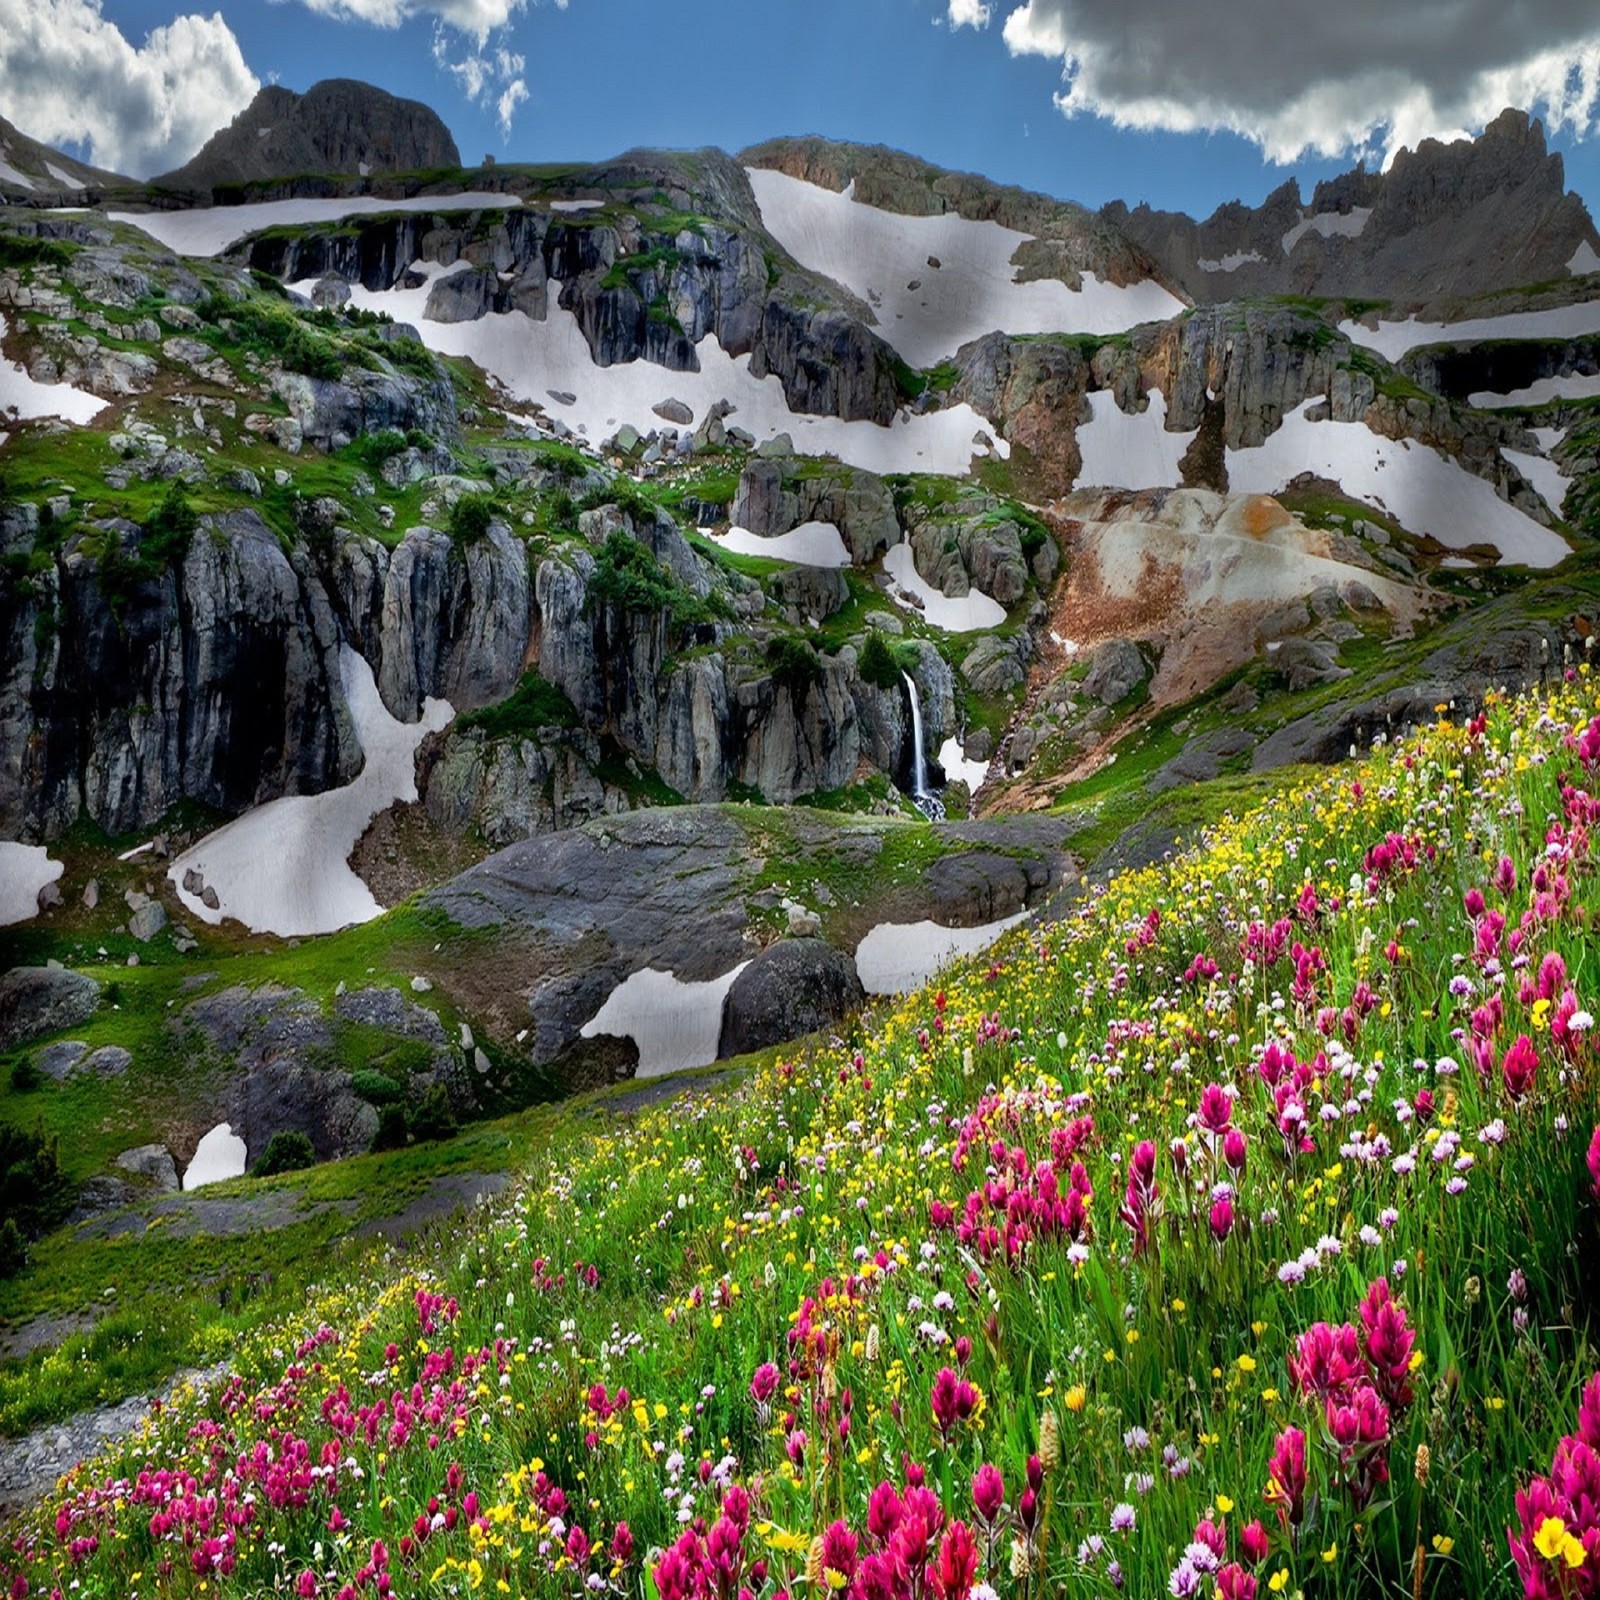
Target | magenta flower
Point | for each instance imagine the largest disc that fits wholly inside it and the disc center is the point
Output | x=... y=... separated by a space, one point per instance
x=1253 y=1541
x=1519 y=1067
x=1286 y=1477
x=1216 y=1108
x=1389 y=1343
x=1235 y=1146
x=1594 y=1160
x=1234 y=1583
x=764 y=1384
x=988 y=1492
x=1221 y=1219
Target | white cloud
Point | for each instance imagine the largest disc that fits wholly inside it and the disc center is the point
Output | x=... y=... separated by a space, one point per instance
x=969 y=14
x=476 y=18
x=68 y=75
x=1302 y=75
x=487 y=75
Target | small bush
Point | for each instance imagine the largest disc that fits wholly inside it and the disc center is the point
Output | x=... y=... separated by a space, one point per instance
x=377 y=1088
x=25 y=1076
x=391 y=1133
x=470 y=517
x=626 y=574
x=879 y=663
x=795 y=665
x=285 y=1152
x=535 y=704
x=13 y=1249
x=434 y=1116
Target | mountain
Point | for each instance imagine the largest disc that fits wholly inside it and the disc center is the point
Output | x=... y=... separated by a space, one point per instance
x=337 y=127
x=31 y=172
x=1444 y=223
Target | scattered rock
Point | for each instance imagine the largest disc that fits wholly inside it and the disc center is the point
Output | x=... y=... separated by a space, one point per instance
x=153 y=1161
x=147 y=921
x=1116 y=670
x=38 y=1000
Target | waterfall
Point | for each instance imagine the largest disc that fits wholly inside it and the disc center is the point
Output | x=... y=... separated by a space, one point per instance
x=925 y=800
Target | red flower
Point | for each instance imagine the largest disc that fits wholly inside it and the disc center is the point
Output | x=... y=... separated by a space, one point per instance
x=988 y=1492
x=958 y=1562
x=1519 y=1067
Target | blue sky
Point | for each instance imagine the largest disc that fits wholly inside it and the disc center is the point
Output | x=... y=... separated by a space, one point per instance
x=603 y=75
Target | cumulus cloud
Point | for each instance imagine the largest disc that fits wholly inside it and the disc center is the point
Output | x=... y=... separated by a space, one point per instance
x=489 y=75
x=1298 y=76
x=475 y=18
x=68 y=75
x=969 y=14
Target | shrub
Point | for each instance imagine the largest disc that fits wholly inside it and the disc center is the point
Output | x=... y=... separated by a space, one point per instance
x=535 y=704
x=470 y=517
x=25 y=1076
x=879 y=663
x=391 y=1133
x=434 y=1116
x=377 y=1088
x=34 y=1192
x=286 y=1152
x=794 y=665
x=626 y=574
x=13 y=1249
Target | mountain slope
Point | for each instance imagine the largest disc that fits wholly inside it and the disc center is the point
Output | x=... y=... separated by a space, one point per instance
x=338 y=126
x=36 y=173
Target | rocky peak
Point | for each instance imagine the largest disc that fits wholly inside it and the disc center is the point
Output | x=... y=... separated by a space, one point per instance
x=338 y=126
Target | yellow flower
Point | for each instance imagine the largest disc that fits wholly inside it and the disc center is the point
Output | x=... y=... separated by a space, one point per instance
x=1550 y=1537
x=1278 y=1580
x=1331 y=1554
x=1443 y=1543
x=1247 y=1363
x=1077 y=1397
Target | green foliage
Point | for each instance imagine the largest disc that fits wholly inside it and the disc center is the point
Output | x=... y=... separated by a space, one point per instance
x=535 y=704
x=23 y=250
x=795 y=665
x=287 y=1151
x=13 y=1249
x=626 y=574
x=470 y=517
x=625 y=495
x=34 y=1192
x=169 y=529
x=391 y=1132
x=376 y=1088
x=881 y=663
x=25 y=1076
x=434 y=1117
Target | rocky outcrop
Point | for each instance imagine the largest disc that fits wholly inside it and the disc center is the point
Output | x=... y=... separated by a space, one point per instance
x=794 y=987
x=779 y=493
x=560 y=922
x=331 y=413
x=1445 y=221
x=338 y=126
x=38 y=1000
x=130 y=684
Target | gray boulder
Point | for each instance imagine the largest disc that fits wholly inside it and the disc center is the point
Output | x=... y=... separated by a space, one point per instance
x=794 y=987
x=1115 y=671
x=39 y=1000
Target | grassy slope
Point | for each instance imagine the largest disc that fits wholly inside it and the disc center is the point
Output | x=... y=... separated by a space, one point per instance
x=801 y=1204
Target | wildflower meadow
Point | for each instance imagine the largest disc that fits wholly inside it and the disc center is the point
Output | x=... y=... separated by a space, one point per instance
x=1237 y=1235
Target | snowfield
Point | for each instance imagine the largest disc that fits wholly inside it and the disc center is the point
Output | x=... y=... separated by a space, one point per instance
x=812 y=544
x=1330 y=225
x=539 y=362
x=1240 y=258
x=1393 y=339
x=22 y=398
x=24 y=870
x=676 y=1024
x=967 y=613
x=285 y=867
x=1584 y=259
x=1566 y=386
x=897 y=957
x=927 y=312
x=1542 y=473
x=1130 y=451
x=210 y=232
x=1418 y=487
x=958 y=769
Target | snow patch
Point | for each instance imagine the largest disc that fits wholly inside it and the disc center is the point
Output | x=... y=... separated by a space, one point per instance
x=539 y=361
x=1565 y=386
x=210 y=232
x=967 y=614
x=958 y=769
x=65 y=179
x=576 y=205
x=1584 y=259
x=812 y=544
x=1394 y=339
x=927 y=312
x=284 y=867
x=1123 y=451
x=24 y=870
x=21 y=397
x=676 y=1024
x=220 y=1155
x=1240 y=258
x=1330 y=224
x=1542 y=473
x=9 y=174
x=1418 y=487
x=897 y=957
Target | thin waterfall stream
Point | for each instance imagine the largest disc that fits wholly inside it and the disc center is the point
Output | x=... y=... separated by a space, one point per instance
x=925 y=800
